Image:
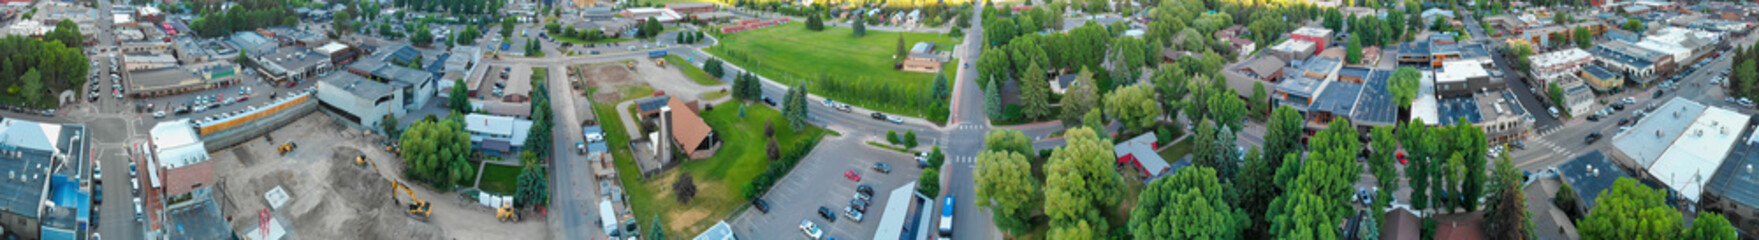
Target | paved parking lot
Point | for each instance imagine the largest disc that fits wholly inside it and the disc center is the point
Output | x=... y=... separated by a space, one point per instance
x=818 y=182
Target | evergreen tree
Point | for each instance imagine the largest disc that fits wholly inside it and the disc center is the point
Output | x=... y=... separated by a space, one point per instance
x=992 y=100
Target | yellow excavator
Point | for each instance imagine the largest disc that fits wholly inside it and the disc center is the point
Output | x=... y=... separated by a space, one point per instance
x=418 y=209
x=506 y=213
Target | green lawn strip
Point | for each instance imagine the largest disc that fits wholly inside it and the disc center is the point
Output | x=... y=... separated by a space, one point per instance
x=632 y=92
x=792 y=55
x=714 y=95
x=499 y=179
x=640 y=197
x=888 y=146
x=718 y=178
x=1177 y=151
x=539 y=74
x=695 y=74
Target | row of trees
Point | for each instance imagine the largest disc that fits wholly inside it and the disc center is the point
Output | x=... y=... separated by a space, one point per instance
x=532 y=182
x=1744 y=78
x=452 y=6
x=214 y=21
x=33 y=70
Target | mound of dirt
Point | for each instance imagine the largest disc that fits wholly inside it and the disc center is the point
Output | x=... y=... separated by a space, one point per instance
x=359 y=186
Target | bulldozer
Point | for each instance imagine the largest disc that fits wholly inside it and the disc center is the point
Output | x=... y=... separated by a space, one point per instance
x=418 y=209
x=287 y=147
x=660 y=62
x=506 y=213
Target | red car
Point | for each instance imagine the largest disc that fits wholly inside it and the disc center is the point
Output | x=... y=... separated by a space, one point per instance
x=852 y=175
x=1402 y=158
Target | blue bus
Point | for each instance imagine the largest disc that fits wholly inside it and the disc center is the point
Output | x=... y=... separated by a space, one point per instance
x=947 y=217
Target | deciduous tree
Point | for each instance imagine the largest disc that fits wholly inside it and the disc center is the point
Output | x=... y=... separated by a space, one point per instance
x=1403 y=85
x=1134 y=106
x=1080 y=182
x=1630 y=210
x=1005 y=185
x=1187 y=205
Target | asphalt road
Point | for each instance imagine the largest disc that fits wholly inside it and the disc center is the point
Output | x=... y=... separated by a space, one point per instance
x=1523 y=93
x=966 y=140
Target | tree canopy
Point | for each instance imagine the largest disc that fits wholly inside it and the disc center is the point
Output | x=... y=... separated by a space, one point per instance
x=1006 y=186
x=436 y=150
x=1187 y=205
x=1080 y=182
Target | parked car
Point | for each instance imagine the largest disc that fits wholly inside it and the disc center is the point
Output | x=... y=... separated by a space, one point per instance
x=878 y=116
x=811 y=229
x=882 y=167
x=864 y=189
x=852 y=175
x=852 y=214
x=825 y=212
x=761 y=205
x=860 y=205
x=895 y=120
x=860 y=196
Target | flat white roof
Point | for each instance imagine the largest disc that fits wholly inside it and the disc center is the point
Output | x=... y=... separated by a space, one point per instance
x=170 y=134
x=1455 y=71
x=1559 y=57
x=1426 y=107
x=1650 y=137
x=1695 y=155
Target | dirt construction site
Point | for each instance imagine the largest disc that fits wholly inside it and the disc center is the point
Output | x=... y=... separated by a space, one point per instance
x=613 y=80
x=331 y=198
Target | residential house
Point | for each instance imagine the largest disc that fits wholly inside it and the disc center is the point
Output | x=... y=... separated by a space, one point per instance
x=924 y=58
x=1265 y=68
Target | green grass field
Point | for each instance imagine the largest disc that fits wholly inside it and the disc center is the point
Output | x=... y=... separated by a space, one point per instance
x=1177 y=150
x=792 y=55
x=695 y=73
x=718 y=179
x=499 y=179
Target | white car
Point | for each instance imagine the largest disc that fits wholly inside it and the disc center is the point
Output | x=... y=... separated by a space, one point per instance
x=811 y=230
x=895 y=119
x=852 y=214
x=159 y=114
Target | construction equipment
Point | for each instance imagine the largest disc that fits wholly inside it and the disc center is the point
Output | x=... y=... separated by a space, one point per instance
x=660 y=62
x=287 y=147
x=630 y=64
x=506 y=213
x=360 y=161
x=418 y=209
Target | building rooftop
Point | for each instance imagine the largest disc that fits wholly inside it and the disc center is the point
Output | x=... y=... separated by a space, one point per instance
x=1293 y=46
x=1453 y=109
x=1650 y=137
x=176 y=144
x=1142 y=148
x=1558 y=57
x=1375 y=105
x=1736 y=180
x=1357 y=72
x=25 y=156
x=358 y=86
x=1459 y=71
x=1589 y=175
x=652 y=103
x=1598 y=72
x=1302 y=86
x=288 y=59
x=1689 y=162
x=1622 y=55
x=1266 y=64
x=1313 y=31
x=1338 y=98
x=687 y=127
x=1499 y=105
x=1325 y=67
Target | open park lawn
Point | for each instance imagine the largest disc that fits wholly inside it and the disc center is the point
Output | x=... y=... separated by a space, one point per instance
x=695 y=73
x=719 y=179
x=792 y=55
